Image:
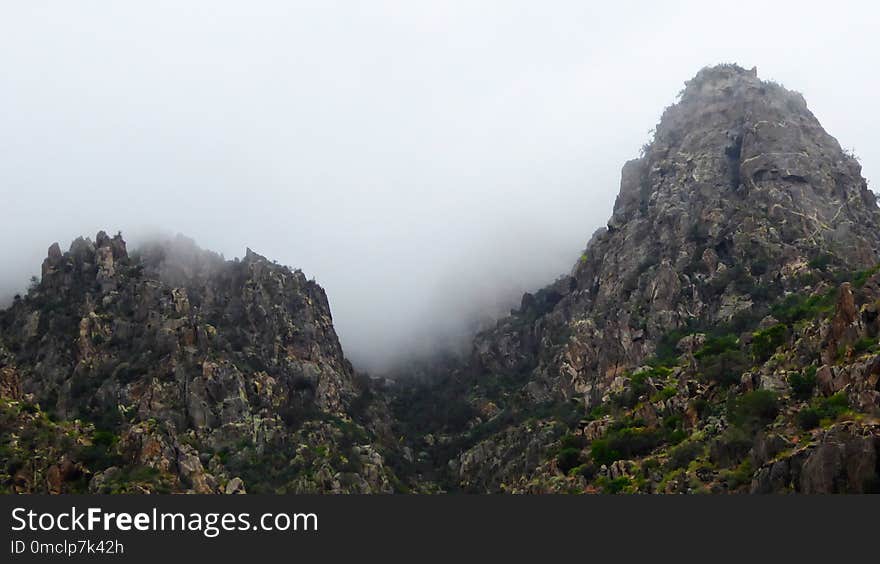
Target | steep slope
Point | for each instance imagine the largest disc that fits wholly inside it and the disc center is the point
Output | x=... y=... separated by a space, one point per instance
x=180 y=371
x=721 y=334
x=739 y=191
x=740 y=202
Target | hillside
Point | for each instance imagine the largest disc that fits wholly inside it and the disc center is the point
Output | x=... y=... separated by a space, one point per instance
x=720 y=335
x=175 y=370
x=693 y=326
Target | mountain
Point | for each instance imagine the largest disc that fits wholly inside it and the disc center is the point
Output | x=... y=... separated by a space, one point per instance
x=175 y=370
x=721 y=334
x=711 y=292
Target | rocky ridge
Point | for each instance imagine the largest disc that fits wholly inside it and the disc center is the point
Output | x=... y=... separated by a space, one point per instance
x=180 y=371
x=721 y=334
x=741 y=205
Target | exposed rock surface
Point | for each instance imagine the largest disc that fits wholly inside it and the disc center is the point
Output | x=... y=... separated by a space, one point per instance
x=728 y=240
x=721 y=334
x=740 y=189
x=191 y=368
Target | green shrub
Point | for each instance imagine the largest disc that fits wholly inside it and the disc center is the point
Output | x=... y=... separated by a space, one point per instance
x=756 y=408
x=598 y=412
x=572 y=441
x=834 y=406
x=601 y=452
x=803 y=383
x=799 y=306
x=638 y=386
x=673 y=428
x=667 y=347
x=664 y=394
x=808 y=418
x=681 y=455
x=725 y=368
x=568 y=458
x=862 y=277
x=624 y=443
x=701 y=406
x=568 y=455
x=766 y=341
x=864 y=345
x=587 y=471
x=615 y=486
x=717 y=345
x=731 y=446
x=740 y=476
x=821 y=261
x=823 y=410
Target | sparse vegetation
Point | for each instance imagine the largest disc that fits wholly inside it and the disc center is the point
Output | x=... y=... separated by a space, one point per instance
x=766 y=341
x=823 y=411
x=803 y=383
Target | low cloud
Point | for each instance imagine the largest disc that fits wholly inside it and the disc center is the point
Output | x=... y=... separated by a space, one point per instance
x=426 y=163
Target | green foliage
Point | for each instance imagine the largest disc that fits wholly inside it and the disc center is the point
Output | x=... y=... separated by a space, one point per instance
x=673 y=428
x=865 y=344
x=798 y=306
x=639 y=386
x=598 y=412
x=721 y=360
x=725 y=368
x=862 y=277
x=30 y=435
x=102 y=452
x=601 y=452
x=759 y=266
x=716 y=345
x=731 y=446
x=821 y=261
x=568 y=455
x=624 y=443
x=681 y=455
x=766 y=341
x=803 y=383
x=568 y=458
x=666 y=353
x=136 y=479
x=292 y=464
x=755 y=409
x=615 y=486
x=701 y=406
x=664 y=394
x=740 y=476
x=823 y=411
x=808 y=418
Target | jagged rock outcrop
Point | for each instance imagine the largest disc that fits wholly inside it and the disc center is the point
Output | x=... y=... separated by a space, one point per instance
x=721 y=334
x=739 y=190
x=693 y=322
x=844 y=460
x=185 y=357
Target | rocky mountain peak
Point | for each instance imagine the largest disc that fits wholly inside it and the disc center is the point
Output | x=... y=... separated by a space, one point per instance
x=720 y=334
x=196 y=365
x=714 y=291
x=734 y=138
x=738 y=194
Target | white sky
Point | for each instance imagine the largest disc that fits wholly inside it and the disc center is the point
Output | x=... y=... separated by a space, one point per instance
x=422 y=160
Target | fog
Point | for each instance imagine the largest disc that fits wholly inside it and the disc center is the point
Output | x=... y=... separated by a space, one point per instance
x=425 y=162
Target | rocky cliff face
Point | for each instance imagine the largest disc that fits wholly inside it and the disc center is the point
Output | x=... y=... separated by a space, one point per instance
x=741 y=202
x=192 y=370
x=721 y=334
x=739 y=191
